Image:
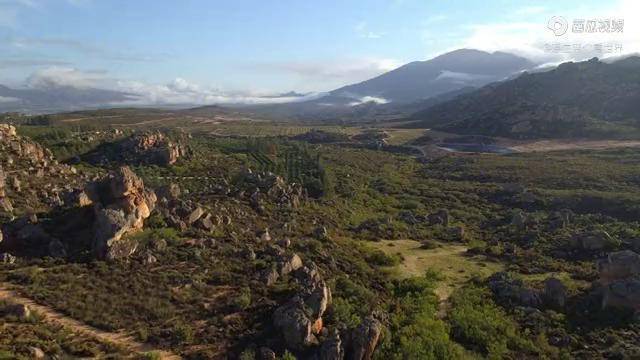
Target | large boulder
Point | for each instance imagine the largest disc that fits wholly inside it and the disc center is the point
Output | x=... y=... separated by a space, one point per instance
x=620 y=280
x=619 y=265
x=595 y=241
x=300 y=319
x=365 y=339
x=122 y=203
x=295 y=325
x=332 y=348
x=555 y=293
x=441 y=217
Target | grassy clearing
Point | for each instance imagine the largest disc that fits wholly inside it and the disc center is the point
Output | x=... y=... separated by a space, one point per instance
x=450 y=260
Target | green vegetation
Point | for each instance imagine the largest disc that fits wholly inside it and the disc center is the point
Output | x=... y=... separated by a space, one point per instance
x=18 y=337
x=205 y=300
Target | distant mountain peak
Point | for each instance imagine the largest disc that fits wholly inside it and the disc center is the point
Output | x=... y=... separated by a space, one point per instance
x=417 y=80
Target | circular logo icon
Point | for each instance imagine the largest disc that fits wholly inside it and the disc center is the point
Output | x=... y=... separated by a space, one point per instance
x=558 y=25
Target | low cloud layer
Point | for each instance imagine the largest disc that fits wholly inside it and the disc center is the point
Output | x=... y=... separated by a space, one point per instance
x=179 y=91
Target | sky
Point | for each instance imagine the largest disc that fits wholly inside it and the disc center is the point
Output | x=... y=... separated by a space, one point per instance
x=215 y=50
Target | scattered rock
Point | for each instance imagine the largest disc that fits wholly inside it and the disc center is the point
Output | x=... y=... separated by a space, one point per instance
x=195 y=215
x=289 y=263
x=265 y=236
x=36 y=353
x=7 y=258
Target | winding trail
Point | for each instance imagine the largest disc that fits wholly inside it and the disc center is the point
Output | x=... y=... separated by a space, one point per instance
x=52 y=316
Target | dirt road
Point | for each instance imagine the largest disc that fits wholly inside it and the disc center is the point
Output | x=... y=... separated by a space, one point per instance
x=52 y=316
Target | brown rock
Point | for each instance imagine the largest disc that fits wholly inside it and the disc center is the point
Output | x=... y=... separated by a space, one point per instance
x=295 y=325
x=289 y=263
x=195 y=215
x=332 y=348
x=365 y=339
x=124 y=205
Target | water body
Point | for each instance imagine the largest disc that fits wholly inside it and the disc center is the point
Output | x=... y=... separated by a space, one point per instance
x=475 y=148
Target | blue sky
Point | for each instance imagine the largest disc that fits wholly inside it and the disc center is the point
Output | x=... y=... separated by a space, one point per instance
x=256 y=47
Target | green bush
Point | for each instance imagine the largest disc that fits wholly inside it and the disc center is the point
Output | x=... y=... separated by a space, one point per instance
x=415 y=331
x=380 y=258
x=478 y=323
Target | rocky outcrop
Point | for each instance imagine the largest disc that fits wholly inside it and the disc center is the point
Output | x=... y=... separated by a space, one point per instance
x=620 y=280
x=513 y=291
x=365 y=339
x=155 y=148
x=560 y=219
x=594 y=241
x=441 y=217
x=145 y=148
x=121 y=204
x=555 y=293
x=332 y=348
x=294 y=323
x=5 y=203
x=266 y=186
x=300 y=319
x=24 y=163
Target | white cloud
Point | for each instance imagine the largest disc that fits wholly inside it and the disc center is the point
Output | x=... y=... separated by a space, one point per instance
x=57 y=76
x=6 y=99
x=369 y=99
x=178 y=91
x=461 y=78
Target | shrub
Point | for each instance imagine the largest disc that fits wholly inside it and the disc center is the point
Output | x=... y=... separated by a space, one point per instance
x=479 y=323
x=243 y=300
x=415 y=331
x=380 y=258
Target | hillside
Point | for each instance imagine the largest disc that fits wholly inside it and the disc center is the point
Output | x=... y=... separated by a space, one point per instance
x=448 y=72
x=589 y=99
x=407 y=89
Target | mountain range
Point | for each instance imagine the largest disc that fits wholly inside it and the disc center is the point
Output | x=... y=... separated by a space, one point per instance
x=583 y=99
x=399 y=92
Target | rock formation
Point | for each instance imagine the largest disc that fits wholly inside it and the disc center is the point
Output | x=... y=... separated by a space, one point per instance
x=594 y=241
x=268 y=186
x=365 y=339
x=620 y=280
x=300 y=318
x=145 y=148
x=121 y=204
